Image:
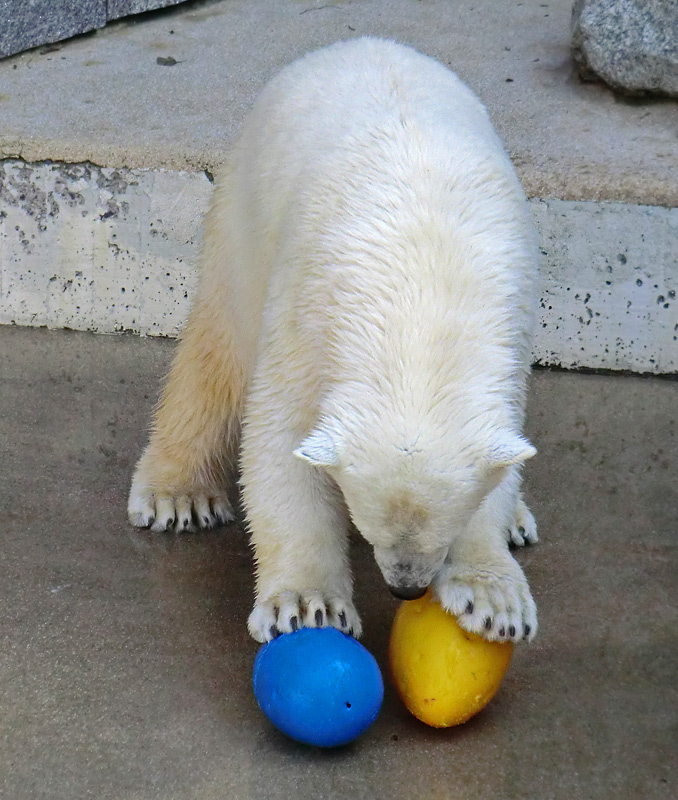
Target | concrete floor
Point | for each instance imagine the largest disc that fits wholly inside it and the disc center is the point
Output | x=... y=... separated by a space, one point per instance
x=125 y=665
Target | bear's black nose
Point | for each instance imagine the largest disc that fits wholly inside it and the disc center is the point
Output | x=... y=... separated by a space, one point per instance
x=408 y=592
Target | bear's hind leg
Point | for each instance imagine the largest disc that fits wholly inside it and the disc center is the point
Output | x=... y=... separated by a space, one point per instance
x=181 y=479
x=523 y=528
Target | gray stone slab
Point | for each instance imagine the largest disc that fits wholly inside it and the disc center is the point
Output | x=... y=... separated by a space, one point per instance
x=632 y=45
x=125 y=667
x=28 y=23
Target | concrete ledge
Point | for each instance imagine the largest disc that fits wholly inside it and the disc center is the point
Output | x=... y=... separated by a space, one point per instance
x=609 y=277
x=109 y=250
x=98 y=249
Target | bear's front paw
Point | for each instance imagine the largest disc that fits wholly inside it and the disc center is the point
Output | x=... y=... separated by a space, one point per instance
x=288 y=611
x=496 y=604
x=186 y=512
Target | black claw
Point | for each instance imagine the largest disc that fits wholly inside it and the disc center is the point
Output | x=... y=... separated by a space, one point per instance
x=469 y=607
x=521 y=531
x=527 y=631
x=319 y=617
x=206 y=520
x=502 y=632
x=512 y=630
x=150 y=522
x=350 y=631
x=342 y=618
x=274 y=632
x=488 y=623
x=169 y=523
x=294 y=623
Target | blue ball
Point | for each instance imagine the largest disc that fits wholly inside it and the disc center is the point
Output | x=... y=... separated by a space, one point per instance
x=318 y=686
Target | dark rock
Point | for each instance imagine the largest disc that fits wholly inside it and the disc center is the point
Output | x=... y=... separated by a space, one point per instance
x=632 y=45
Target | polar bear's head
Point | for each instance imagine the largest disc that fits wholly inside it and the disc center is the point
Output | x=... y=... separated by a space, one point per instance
x=411 y=497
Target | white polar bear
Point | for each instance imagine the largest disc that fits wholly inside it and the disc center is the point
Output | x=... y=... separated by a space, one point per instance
x=365 y=308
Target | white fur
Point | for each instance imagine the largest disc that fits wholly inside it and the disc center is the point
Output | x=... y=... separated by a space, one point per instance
x=366 y=305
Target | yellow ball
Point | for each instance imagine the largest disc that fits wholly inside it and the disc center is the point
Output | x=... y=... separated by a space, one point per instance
x=443 y=674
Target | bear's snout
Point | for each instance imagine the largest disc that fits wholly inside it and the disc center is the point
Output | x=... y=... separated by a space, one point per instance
x=408 y=574
x=407 y=592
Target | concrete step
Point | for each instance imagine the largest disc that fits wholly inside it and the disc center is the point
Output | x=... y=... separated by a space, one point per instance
x=109 y=142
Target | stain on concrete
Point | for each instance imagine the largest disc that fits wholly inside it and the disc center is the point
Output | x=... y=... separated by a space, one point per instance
x=67 y=193
x=19 y=189
x=114 y=181
x=76 y=172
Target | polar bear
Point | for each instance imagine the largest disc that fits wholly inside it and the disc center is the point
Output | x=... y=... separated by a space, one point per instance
x=361 y=331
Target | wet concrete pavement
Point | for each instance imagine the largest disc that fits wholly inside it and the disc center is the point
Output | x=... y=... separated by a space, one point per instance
x=125 y=663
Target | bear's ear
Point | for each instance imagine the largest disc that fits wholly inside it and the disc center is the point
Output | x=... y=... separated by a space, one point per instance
x=318 y=449
x=509 y=448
